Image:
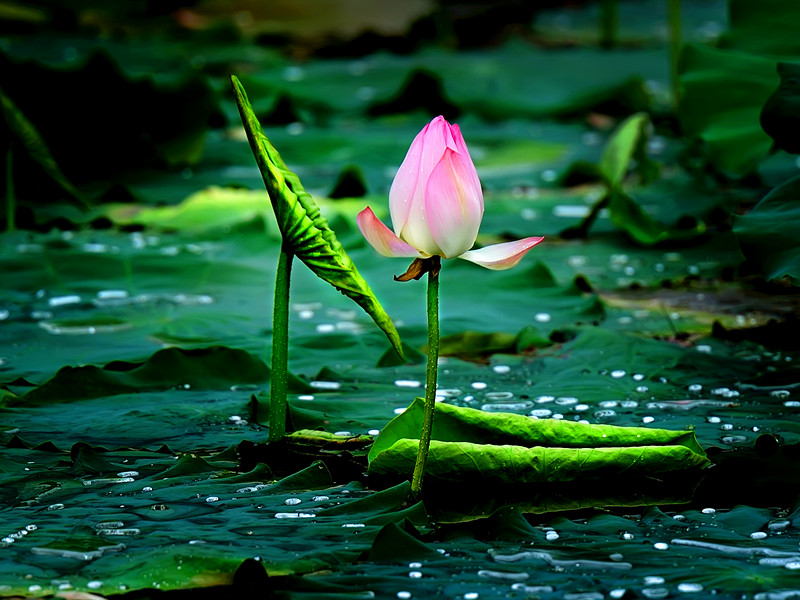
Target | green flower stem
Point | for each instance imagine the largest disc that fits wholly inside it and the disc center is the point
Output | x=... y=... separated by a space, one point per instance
x=674 y=18
x=430 y=381
x=609 y=23
x=279 y=382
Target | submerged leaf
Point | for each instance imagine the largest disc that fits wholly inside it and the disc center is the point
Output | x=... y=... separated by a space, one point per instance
x=305 y=231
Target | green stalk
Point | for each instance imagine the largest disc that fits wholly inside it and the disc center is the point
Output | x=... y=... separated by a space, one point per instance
x=609 y=23
x=279 y=383
x=430 y=380
x=10 y=199
x=674 y=18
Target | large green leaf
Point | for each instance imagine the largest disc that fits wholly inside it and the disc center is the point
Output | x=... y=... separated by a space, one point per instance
x=305 y=231
x=723 y=92
x=468 y=444
x=768 y=233
x=467 y=461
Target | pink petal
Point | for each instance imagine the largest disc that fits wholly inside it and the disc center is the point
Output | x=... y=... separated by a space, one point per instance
x=461 y=148
x=404 y=185
x=453 y=205
x=501 y=256
x=381 y=237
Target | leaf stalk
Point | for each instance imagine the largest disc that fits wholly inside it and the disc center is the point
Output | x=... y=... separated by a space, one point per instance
x=279 y=382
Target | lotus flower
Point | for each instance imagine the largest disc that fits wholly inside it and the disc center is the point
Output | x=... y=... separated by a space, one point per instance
x=436 y=205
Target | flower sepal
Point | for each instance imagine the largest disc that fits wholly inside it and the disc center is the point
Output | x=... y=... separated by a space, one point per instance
x=419 y=267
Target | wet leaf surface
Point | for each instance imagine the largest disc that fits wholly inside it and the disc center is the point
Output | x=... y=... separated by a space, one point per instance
x=134 y=336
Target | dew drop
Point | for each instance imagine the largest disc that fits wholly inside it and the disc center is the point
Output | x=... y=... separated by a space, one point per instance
x=408 y=383
x=617 y=373
x=415 y=574
x=661 y=546
x=292 y=501
x=212 y=499
x=499 y=407
x=690 y=588
x=497 y=396
x=780 y=393
x=305 y=397
x=478 y=385
x=551 y=536
x=403 y=595
x=542 y=317
x=758 y=535
x=653 y=580
x=326 y=385
x=566 y=401
x=648 y=419
x=540 y=413
x=501 y=369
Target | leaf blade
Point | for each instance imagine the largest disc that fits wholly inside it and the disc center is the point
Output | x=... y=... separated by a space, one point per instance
x=302 y=225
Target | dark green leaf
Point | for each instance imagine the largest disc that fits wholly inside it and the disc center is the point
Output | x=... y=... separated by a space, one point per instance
x=723 y=93
x=202 y=369
x=764 y=27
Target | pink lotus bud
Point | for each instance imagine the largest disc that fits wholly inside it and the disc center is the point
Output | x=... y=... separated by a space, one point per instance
x=436 y=205
x=436 y=201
